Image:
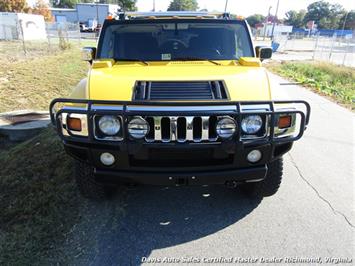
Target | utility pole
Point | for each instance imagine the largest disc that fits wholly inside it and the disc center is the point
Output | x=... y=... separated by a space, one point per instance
x=273 y=25
x=97 y=11
x=266 y=21
x=153 y=5
x=346 y=17
x=225 y=7
x=97 y=18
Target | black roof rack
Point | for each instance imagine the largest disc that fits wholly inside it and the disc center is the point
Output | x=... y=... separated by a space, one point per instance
x=171 y=14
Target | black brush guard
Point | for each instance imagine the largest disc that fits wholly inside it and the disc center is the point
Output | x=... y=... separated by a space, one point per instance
x=125 y=113
x=238 y=170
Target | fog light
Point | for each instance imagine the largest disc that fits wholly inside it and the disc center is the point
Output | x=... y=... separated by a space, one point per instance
x=107 y=159
x=254 y=156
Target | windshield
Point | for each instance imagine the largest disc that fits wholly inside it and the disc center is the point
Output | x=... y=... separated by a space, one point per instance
x=160 y=41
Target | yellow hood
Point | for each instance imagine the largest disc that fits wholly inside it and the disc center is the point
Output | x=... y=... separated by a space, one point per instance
x=109 y=81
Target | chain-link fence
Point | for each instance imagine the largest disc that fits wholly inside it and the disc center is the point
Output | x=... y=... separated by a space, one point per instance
x=57 y=32
x=15 y=44
x=299 y=46
x=335 y=49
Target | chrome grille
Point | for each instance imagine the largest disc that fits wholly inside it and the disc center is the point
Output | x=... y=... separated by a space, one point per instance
x=182 y=129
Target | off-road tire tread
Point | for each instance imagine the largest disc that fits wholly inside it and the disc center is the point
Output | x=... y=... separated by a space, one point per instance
x=85 y=179
x=270 y=185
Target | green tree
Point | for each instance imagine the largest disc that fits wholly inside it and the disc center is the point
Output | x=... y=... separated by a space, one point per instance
x=65 y=3
x=183 y=5
x=126 y=5
x=255 y=19
x=13 y=6
x=317 y=11
x=350 y=20
x=337 y=13
x=295 y=18
x=325 y=15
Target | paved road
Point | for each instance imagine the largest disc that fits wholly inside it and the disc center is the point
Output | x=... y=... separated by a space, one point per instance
x=311 y=216
x=340 y=53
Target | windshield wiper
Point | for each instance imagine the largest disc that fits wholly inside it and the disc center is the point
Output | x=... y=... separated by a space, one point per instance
x=132 y=60
x=196 y=59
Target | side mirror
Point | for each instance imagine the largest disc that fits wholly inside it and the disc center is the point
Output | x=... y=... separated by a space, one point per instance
x=263 y=52
x=88 y=54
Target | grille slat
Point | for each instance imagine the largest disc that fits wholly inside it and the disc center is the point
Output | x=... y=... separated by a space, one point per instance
x=205 y=127
x=189 y=128
x=180 y=90
x=157 y=128
x=181 y=129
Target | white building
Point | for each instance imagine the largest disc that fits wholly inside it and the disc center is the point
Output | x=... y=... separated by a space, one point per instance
x=14 y=26
x=84 y=12
x=266 y=30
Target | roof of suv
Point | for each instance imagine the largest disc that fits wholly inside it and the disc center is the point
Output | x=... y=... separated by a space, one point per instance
x=175 y=14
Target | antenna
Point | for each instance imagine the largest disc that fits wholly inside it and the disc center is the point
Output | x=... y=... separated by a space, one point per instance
x=225 y=7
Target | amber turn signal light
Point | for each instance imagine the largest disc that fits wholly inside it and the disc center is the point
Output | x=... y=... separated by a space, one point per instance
x=285 y=121
x=74 y=124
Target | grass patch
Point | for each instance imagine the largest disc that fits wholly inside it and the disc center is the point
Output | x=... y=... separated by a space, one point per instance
x=33 y=83
x=38 y=200
x=335 y=81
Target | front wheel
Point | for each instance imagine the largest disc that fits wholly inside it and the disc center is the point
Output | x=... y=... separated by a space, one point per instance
x=88 y=186
x=270 y=185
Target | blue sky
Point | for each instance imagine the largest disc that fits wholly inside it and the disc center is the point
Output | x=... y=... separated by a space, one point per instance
x=245 y=7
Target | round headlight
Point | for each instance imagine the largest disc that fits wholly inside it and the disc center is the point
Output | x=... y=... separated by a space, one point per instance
x=226 y=127
x=138 y=128
x=252 y=124
x=109 y=125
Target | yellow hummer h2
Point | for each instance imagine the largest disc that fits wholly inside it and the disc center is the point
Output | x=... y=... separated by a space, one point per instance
x=177 y=98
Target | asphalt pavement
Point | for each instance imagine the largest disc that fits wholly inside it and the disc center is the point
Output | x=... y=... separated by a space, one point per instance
x=310 y=219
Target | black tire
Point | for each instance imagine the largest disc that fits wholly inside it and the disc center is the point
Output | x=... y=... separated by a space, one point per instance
x=270 y=185
x=88 y=186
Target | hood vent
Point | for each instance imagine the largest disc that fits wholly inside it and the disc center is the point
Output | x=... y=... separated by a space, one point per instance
x=180 y=90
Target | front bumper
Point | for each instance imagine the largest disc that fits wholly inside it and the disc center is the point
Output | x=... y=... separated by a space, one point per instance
x=138 y=165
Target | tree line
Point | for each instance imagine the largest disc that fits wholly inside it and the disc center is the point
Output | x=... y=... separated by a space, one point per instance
x=324 y=14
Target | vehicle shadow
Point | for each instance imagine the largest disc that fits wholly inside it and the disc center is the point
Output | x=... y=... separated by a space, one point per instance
x=154 y=218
